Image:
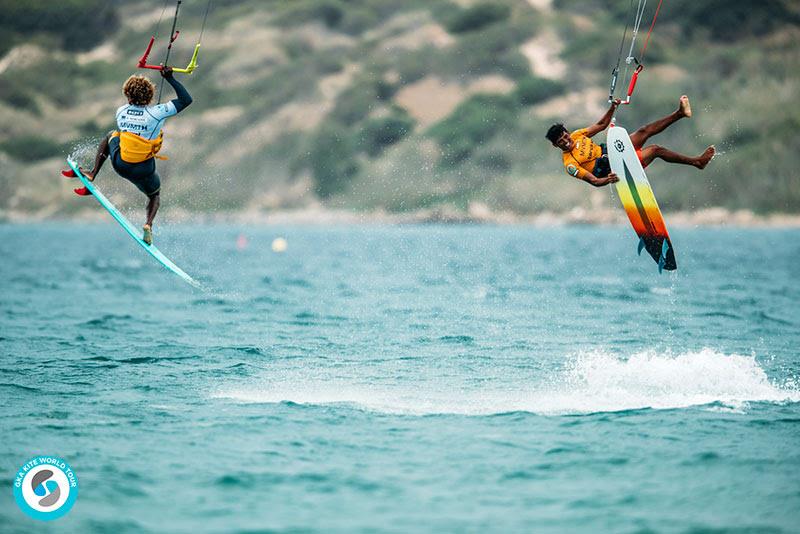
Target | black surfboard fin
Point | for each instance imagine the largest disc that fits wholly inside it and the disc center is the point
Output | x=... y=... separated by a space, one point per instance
x=641 y=246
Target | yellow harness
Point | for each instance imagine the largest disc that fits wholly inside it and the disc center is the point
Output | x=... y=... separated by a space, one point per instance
x=136 y=149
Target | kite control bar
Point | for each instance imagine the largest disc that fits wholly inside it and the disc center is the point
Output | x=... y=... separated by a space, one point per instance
x=143 y=60
x=631 y=85
x=142 y=64
x=192 y=62
x=631 y=59
x=186 y=70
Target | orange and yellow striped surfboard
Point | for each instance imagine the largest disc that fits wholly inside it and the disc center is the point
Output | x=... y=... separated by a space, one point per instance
x=638 y=199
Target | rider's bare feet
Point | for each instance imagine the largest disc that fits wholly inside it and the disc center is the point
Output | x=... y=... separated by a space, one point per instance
x=685 y=108
x=705 y=157
x=147 y=234
x=69 y=173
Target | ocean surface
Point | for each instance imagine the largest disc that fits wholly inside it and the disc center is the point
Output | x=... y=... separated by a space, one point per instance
x=404 y=379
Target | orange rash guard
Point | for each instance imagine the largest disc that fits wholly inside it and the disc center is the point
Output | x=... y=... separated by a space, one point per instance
x=580 y=161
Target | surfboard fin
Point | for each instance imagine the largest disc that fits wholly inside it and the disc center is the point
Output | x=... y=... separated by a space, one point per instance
x=641 y=246
x=662 y=259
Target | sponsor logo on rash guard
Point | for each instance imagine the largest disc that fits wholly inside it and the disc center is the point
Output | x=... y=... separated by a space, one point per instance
x=142 y=121
x=131 y=126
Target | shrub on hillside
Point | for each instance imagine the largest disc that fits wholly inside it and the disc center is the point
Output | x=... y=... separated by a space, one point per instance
x=286 y=82
x=476 y=17
x=30 y=148
x=532 y=90
x=472 y=124
x=296 y=47
x=495 y=161
x=77 y=24
x=329 y=61
x=332 y=159
x=416 y=64
x=329 y=12
x=18 y=95
x=377 y=134
x=724 y=20
x=356 y=102
x=729 y=20
x=357 y=20
x=513 y=64
x=385 y=90
x=494 y=49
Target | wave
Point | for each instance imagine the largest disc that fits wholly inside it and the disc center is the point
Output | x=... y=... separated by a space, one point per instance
x=588 y=383
x=598 y=382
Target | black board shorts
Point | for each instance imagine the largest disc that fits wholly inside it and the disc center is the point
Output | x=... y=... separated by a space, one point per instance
x=602 y=167
x=143 y=175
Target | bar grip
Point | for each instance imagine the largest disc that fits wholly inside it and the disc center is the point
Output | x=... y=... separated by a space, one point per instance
x=634 y=78
x=143 y=59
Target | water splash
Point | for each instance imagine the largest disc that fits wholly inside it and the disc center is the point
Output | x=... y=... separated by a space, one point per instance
x=602 y=382
x=84 y=150
x=588 y=383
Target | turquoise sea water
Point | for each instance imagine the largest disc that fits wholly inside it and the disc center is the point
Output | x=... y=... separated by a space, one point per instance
x=404 y=379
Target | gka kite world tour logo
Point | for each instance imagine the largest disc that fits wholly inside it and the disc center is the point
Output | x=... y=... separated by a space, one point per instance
x=45 y=487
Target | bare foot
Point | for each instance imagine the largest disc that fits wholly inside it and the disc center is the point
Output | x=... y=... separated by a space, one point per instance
x=147 y=234
x=87 y=174
x=705 y=157
x=685 y=108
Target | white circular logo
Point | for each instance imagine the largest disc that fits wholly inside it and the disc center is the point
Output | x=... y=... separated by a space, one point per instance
x=45 y=487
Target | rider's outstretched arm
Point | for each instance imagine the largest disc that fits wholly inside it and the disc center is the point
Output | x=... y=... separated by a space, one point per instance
x=603 y=123
x=184 y=98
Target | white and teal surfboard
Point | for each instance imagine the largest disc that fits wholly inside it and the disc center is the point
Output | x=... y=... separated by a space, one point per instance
x=132 y=231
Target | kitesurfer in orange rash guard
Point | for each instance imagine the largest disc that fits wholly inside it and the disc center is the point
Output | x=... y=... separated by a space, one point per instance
x=588 y=161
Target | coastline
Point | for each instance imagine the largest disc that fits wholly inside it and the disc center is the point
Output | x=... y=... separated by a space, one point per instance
x=476 y=214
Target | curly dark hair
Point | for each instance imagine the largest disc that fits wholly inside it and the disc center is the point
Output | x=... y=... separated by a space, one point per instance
x=555 y=132
x=139 y=90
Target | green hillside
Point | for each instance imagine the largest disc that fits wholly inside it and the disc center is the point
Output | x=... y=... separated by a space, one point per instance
x=397 y=106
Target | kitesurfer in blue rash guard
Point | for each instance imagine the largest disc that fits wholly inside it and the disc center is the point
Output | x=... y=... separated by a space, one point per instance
x=133 y=148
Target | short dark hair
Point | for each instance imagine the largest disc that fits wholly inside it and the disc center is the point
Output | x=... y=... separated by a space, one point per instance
x=555 y=132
